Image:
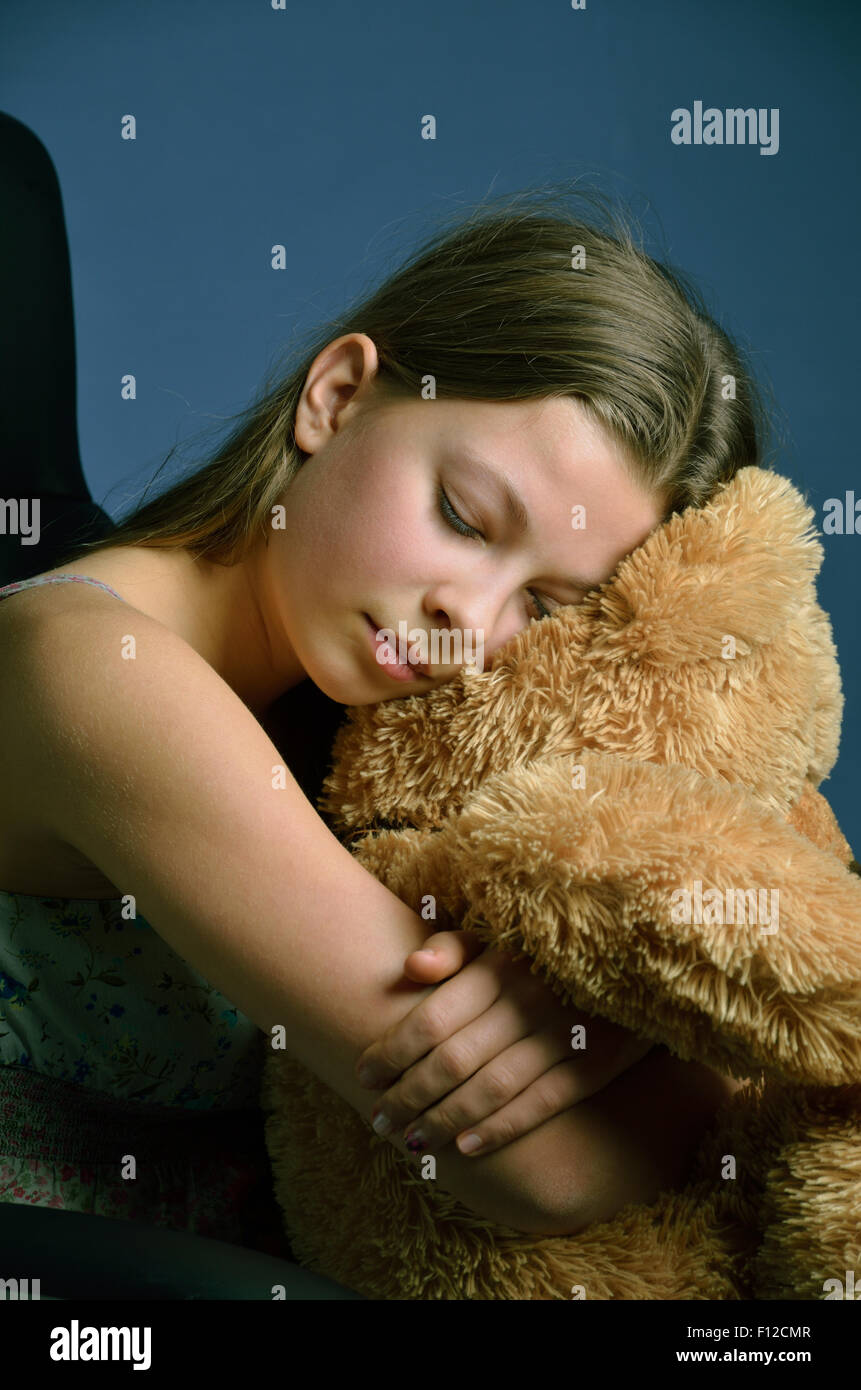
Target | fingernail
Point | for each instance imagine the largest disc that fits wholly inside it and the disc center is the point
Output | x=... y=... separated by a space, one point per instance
x=367 y=1077
x=415 y=1141
x=381 y=1123
x=469 y=1143
x=426 y=951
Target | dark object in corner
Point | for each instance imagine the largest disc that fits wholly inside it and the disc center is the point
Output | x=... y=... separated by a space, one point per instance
x=39 y=457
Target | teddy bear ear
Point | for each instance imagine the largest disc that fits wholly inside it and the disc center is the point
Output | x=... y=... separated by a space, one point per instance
x=740 y=566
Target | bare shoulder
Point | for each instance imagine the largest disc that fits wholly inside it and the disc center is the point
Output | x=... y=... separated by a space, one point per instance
x=133 y=572
x=25 y=610
x=73 y=656
x=69 y=650
x=53 y=629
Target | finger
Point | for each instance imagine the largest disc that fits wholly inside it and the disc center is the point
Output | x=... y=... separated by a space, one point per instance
x=442 y=955
x=557 y=1090
x=486 y=1093
x=511 y=1062
x=442 y=1074
x=453 y=1005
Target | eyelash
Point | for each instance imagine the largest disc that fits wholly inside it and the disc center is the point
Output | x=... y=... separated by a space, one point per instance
x=457 y=524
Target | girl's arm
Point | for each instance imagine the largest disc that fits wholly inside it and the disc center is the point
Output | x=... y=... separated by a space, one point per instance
x=152 y=769
x=632 y=1138
x=155 y=771
x=629 y=1142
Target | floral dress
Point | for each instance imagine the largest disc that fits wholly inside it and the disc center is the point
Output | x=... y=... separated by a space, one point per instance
x=129 y=1086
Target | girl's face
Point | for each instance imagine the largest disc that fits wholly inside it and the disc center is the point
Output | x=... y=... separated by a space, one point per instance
x=399 y=517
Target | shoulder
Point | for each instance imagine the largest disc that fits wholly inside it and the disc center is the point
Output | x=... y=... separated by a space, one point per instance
x=70 y=643
x=29 y=613
x=45 y=628
x=86 y=681
x=34 y=603
x=35 y=623
x=118 y=577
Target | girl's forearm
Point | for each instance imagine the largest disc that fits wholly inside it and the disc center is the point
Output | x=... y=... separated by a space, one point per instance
x=635 y=1138
x=627 y=1143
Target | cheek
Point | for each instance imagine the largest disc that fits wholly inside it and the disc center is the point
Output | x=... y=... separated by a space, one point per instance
x=386 y=558
x=389 y=536
x=359 y=531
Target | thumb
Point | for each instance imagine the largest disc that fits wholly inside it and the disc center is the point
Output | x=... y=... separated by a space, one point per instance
x=442 y=955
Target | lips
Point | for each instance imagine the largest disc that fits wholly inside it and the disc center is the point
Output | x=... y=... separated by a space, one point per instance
x=415 y=668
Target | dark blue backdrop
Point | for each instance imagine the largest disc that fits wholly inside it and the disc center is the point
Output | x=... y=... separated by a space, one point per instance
x=258 y=125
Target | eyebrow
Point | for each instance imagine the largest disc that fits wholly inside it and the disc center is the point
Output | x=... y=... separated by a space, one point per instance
x=516 y=508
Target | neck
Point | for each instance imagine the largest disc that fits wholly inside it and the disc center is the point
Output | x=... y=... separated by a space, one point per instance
x=236 y=628
x=228 y=614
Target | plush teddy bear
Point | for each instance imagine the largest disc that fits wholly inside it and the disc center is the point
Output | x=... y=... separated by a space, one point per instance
x=628 y=796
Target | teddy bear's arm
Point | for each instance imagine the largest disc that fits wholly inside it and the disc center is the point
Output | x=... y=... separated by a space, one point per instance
x=613 y=891
x=812 y=816
x=585 y=882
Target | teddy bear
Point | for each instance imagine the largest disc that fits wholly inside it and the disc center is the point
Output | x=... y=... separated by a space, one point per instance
x=628 y=796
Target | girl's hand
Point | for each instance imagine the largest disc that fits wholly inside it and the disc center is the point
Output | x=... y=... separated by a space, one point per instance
x=442 y=955
x=489 y=1053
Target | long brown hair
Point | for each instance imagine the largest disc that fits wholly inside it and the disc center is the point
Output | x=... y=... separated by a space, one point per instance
x=520 y=299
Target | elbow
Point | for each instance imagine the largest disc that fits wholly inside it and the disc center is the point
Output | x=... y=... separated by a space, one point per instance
x=569 y=1222
x=558 y=1208
x=536 y=1185
x=538 y=1220
x=522 y=1196
x=535 y=1218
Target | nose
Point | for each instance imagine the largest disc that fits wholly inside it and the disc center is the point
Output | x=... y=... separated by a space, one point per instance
x=483 y=620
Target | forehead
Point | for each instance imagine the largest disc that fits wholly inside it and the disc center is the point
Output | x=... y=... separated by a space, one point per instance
x=544 y=446
x=560 y=431
x=558 y=458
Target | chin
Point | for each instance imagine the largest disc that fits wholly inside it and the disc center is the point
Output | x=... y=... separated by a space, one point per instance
x=338 y=685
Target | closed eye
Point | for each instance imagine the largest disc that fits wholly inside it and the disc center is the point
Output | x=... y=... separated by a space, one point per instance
x=458 y=524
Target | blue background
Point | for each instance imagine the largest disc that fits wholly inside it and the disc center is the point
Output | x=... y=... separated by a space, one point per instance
x=258 y=126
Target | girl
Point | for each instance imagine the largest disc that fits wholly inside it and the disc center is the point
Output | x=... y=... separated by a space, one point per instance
x=168 y=889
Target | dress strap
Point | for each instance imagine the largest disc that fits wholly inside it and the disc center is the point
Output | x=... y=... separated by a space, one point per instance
x=56 y=579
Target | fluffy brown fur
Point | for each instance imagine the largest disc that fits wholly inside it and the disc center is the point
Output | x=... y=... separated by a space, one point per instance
x=698 y=760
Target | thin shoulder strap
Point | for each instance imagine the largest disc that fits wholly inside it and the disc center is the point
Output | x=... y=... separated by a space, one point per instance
x=57 y=579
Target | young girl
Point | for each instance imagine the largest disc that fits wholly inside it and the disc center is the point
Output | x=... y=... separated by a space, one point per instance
x=168 y=891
